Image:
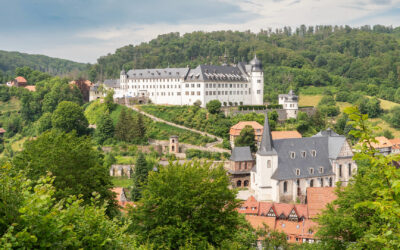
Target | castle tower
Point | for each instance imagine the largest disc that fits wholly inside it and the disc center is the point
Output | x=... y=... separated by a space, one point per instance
x=123 y=77
x=173 y=144
x=257 y=82
x=262 y=183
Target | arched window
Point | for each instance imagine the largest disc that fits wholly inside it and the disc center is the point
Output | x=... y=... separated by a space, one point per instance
x=246 y=183
x=322 y=182
x=340 y=170
x=330 y=181
x=268 y=163
x=349 y=169
x=285 y=186
x=312 y=183
x=239 y=183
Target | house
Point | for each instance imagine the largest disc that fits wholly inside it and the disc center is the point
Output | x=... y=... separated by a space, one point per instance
x=117 y=170
x=295 y=220
x=383 y=145
x=235 y=130
x=241 y=162
x=285 y=168
x=232 y=85
x=290 y=103
x=19 y=81
x=395 y=145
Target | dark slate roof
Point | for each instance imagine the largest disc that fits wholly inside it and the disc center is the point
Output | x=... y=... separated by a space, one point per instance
x=112 y=83
x=217 y=73
x=266 y=145
x=158 y=73
x=256 y=65
x=94 y=87
x=327 y=148
x=290 y=96
x=241 y=154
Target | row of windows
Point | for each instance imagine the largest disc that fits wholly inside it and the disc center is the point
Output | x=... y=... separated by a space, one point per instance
x=158 y=94
x=226 y=93
x=311 y=170
x=149 y=86
x=225 y=85
x=192 y=93
x=192 y=85
x=321 y=181
x=155 y=80
x=303 y=154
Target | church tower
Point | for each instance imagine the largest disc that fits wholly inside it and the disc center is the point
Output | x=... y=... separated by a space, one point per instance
x=257 y=82
x=266 y=164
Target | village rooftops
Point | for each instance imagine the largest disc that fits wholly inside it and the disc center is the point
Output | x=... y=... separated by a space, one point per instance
x=318 y=198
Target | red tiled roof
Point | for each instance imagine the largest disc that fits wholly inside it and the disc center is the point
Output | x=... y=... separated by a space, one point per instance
x=2 y=131
x=31 y=88
x=318 y=198
x=20 y=79
x=265 y=207
x=237 y=128
x=395 y=143
x=383 y=142
x=283 y=208
x=257 y=222
x=301 y=210
x=250 y=206
x=276 y=135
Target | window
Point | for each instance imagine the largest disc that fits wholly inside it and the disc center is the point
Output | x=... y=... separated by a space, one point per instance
x=330 y=181
x=269 y=164
x=292 y=155
x=349 y=169
x=321 y=170
x=258 y=81
x=198 y=85
x=311 y=183
x=297 y=171
x=258 y=91
x=285 y=186
x=239 y=183
x=187 y=93
x=246 y=183
x=187 y=85
x=311 y=170
x=313 y=153
x=322 y=182
x=340 y=170
x=179 y=93
x=192 y=92
x=192 y=85
x=206 y=85
x=303 y=154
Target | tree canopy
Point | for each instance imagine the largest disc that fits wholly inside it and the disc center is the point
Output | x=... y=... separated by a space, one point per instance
x=69 y=116
x=246 y=138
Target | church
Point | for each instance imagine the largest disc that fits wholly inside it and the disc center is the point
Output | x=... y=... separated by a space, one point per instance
x=285 y=168
x=232 y=85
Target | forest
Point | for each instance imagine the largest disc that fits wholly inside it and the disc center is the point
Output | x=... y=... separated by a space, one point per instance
x=10 y=61
x=365 y=59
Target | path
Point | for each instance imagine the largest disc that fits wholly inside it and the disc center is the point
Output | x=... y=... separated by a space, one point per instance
x=208 y=145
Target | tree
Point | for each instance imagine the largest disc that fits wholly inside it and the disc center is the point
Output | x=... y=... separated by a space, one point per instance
x=214 y=106
x=188 y=204
x=44 y=123
x=104 y=129
x=366 y=213
x=139 y=177
x=77 y=167
x=68 y=117
x=124 y=129
x=246 y=138
x=197 y=103
x=32 y=219
x=109 y=100
x=140 y=129
x=394 y=117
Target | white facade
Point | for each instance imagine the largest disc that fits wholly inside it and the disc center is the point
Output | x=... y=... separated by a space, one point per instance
x=232 y=85
x=290 y=103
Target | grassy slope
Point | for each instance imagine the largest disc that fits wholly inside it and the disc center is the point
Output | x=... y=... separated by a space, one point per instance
x=10 y=106
x=312 y=100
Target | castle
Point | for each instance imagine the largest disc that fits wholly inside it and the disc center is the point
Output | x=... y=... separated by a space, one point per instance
x=232 y=85
x=285 y=168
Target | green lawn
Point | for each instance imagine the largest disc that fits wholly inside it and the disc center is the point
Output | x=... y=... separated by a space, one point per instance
x=12 y=105
x=121 y=182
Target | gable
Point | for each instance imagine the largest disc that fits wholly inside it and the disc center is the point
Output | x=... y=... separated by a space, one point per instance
x=271 y=213
x=345 y=151
x=293 y=215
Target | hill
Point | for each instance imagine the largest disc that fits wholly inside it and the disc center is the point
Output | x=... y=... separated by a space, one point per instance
x=365 y=59
x=9 y=61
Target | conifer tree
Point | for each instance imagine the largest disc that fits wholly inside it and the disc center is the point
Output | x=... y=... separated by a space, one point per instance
x=139 y=177
x=105 y=129
x=124 y=127
x=140 y=129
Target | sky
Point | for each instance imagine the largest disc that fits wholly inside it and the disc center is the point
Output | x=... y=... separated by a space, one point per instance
x=84 y=30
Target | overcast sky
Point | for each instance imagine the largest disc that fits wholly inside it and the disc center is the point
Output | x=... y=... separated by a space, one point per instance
x=83 y=30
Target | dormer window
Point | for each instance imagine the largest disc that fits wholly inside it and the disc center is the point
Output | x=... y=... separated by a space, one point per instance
x=311 y=170
x=292 y=155
x=321 y=170
x=303 y=154
x=297 y=171
x=313 y=153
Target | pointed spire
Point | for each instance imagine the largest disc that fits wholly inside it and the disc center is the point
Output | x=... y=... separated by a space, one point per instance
x=266 y=145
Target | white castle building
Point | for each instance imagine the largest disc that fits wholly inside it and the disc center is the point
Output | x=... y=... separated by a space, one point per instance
x=290 y=103
x=240 y=84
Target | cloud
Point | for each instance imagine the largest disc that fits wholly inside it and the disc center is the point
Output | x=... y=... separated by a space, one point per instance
x=85 y=30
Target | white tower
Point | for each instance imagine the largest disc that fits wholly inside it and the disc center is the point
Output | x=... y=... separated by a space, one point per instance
x=290 y=103
x=123 y=77
x=257 y=82
x=265 y=188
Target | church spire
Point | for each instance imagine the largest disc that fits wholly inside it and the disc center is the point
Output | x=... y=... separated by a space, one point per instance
x=266 y=146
